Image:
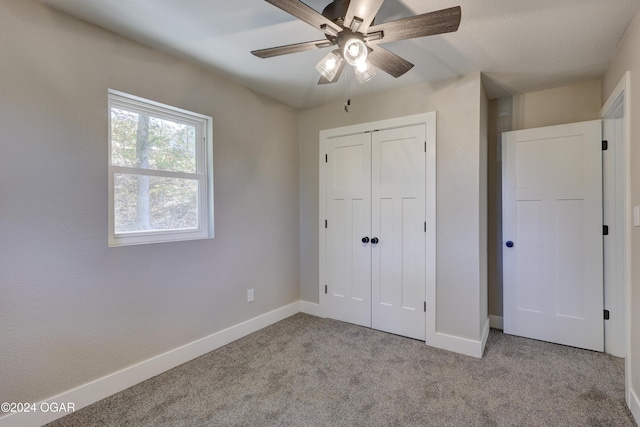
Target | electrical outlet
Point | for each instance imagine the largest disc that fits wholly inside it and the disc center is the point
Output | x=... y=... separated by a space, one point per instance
x=250 y=295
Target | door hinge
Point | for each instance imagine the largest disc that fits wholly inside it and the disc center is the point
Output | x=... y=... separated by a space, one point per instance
x=326 y=224
x=425 y=226
x=425 y=146
x=605 y=230
x=325 y=289
x=605 y=145
x=326 y=158
x=606 y=315
x=425 y=306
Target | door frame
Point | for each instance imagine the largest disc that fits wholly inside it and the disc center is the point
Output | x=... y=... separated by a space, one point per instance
x=429 y=120
x=618 y=105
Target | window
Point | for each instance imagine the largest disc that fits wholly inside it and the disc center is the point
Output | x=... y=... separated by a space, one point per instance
x=160 y=172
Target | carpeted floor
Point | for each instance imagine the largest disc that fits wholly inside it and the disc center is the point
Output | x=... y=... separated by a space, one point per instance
x=308 y=371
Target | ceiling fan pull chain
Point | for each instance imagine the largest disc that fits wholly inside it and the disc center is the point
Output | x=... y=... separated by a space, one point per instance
x=347 y=103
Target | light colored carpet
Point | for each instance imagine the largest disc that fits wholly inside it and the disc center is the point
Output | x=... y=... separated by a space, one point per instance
x=308 y=371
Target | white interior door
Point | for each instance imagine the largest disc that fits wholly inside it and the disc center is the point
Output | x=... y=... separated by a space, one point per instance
x=552 y=230
x=398 y=225
x=348 y=215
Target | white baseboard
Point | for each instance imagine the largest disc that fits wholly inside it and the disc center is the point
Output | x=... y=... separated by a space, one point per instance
x=634 y=405
x=94 y=391
x=497 y=322
x=464 y=346
x=311 y=308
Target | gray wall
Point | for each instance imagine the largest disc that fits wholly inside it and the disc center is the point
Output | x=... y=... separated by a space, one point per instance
x=500 y=120
x=72 y=309
x=459 y=191
x=567 y=104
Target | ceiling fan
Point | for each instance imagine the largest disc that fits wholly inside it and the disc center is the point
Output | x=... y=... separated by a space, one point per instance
x=349 y=25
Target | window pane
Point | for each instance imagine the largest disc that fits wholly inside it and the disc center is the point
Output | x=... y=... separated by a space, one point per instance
x=150 y=203
x=139 y=140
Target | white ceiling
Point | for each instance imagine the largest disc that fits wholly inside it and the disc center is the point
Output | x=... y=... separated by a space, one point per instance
x=521 y=45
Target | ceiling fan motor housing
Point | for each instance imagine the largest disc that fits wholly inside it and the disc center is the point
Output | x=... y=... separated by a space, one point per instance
x=336 y=11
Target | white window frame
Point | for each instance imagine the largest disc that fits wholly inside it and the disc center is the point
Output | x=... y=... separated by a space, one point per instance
x=203 y=174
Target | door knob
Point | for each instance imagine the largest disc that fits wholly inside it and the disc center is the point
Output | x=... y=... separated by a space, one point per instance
x=509 y=244
x=365 y=240
x=374 y=240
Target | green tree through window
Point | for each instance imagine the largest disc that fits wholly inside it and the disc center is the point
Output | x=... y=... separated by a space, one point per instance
x=158 y=167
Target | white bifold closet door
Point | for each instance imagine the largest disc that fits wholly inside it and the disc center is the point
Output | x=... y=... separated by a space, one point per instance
x=375 y=231
x=348 y=221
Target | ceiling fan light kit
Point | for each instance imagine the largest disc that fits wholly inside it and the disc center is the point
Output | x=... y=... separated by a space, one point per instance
x=350 y=25
x=354 y=51
x=329 y=65
x=364 y=71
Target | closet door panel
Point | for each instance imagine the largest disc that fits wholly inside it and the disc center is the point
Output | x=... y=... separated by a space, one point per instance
x=348 y=205
x=398 y=215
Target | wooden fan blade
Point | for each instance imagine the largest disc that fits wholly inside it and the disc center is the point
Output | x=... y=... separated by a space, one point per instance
x=389 y=62
x=427 y=24
x=363 y=9
x=324 y=81
x=304 y=13
x=291 y=48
